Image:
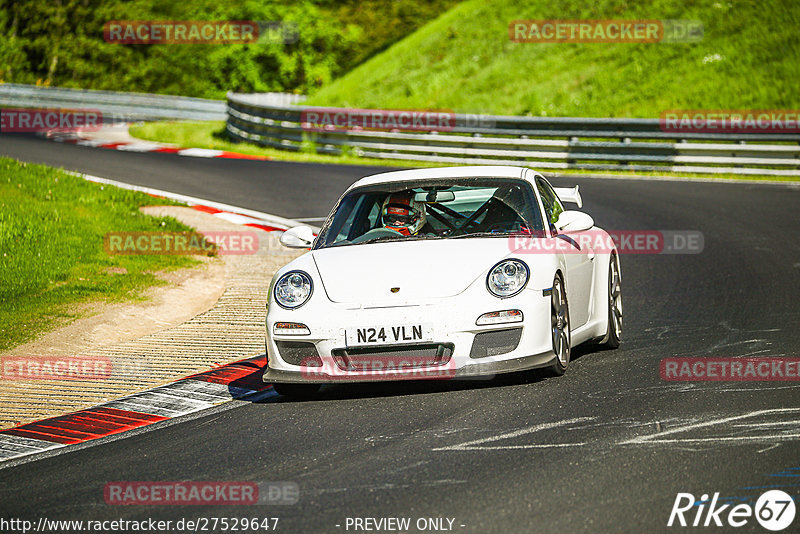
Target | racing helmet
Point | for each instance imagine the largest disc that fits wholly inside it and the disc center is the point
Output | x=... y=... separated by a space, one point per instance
x=401 y=213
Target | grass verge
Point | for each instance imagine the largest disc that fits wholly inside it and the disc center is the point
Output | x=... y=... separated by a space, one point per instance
x=52 y=259
x=211 y=134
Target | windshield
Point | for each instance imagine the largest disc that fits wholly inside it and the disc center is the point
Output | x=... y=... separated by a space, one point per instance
x=432 y=209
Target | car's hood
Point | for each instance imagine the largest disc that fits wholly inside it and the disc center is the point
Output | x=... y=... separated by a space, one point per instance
x=422 y=270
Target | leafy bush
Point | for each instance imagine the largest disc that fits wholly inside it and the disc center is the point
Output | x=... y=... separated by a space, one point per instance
x=61 y=44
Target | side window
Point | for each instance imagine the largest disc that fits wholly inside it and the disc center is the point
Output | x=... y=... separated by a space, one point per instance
x=367 y=216
x=552 y=205
x=374 y=214
x=347 y=225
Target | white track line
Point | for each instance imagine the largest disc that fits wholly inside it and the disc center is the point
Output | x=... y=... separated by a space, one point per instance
x=475 y=444
x=657 y=438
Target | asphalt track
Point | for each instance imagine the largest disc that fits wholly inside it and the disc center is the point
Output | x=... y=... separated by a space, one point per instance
x=605 y=448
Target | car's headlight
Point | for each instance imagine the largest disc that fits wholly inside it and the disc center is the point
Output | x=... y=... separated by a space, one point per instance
x=507 y=278
x=293 y=289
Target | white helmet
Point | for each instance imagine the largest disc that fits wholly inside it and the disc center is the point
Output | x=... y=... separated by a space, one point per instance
x=403 y=214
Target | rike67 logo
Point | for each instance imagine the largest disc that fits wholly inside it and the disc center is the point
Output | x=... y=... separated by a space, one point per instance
x=774 y=510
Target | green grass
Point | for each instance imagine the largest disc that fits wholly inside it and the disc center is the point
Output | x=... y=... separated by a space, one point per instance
x=52 y=259
x=464 y=61
x=211 y=134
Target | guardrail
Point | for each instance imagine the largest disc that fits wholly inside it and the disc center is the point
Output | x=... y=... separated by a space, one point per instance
x=540 y=142
x=115 y=106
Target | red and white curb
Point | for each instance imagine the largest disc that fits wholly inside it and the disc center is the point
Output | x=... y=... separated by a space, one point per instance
x=234 y=214
x=79 y=138
x=235 y=381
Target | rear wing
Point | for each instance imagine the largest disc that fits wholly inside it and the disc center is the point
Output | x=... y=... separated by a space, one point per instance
x=569 y=194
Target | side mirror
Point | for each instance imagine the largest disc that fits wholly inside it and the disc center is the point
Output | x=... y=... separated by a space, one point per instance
x=298 y=237
x=574 y=221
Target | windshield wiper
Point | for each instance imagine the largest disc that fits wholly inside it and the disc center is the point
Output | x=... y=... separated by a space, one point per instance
x=490 y=234
x=382 y=239
x=386 y=238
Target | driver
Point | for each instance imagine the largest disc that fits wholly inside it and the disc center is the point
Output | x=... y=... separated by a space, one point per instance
x=403 y=214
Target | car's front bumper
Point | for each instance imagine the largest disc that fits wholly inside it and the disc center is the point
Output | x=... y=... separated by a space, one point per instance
x=454 y=327
x=483 y=369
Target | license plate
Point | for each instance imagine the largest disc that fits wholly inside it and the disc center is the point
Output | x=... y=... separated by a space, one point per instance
x=388 y=335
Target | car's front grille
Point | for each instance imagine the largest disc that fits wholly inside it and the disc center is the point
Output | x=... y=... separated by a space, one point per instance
x=495 y=342
x=378 y=358
x=299 y=353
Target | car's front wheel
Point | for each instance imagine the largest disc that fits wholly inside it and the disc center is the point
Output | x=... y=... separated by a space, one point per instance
x=559 y=327
x=614 y=305
x=303 y=391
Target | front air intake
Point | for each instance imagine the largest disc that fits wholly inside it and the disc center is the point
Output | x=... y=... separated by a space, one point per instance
x=495 y=343
x=299 y=353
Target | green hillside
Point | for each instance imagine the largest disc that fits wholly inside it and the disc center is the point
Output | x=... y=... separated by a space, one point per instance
x=749 y=58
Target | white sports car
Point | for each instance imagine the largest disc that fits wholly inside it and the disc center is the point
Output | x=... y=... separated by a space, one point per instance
x=442 y=273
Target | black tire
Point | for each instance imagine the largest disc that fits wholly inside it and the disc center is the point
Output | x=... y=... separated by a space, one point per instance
x=300 y=391
x=559 y=328
x=614 y=305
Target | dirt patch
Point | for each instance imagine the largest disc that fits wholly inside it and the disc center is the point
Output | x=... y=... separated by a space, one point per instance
x=205 y=316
